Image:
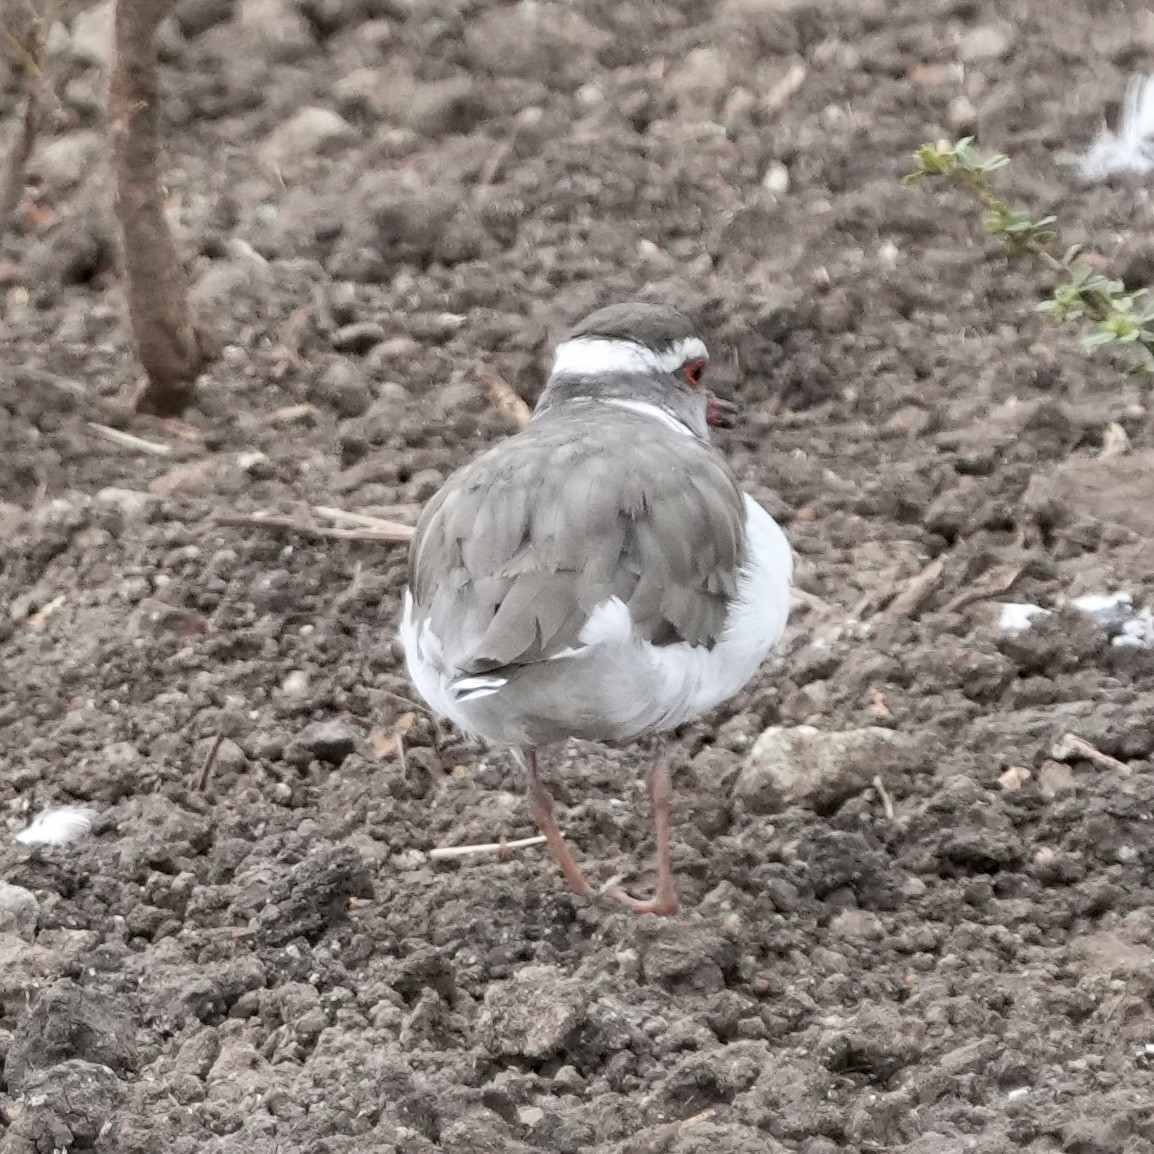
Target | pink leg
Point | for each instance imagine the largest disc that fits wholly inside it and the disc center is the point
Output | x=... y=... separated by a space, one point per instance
x=546 y=819
x=664 y=900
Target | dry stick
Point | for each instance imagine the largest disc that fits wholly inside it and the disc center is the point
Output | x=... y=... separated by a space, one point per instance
x=12 y=173
x=1070 y=745
x=128 y=441
x=388 y=532
x=172 y=349
x=202 y=778
x=450 y=851
x=917 y=592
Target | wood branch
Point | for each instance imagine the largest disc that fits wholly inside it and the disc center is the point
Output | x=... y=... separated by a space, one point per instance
x=15 y=162
x=909 y=601
x=388 y=532
x=172 y=349
x=128 y=441
x=498 y=847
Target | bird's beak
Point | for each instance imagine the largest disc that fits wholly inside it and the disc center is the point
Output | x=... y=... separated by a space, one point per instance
x=720 y=413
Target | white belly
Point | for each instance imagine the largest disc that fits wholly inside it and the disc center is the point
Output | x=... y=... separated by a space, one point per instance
x=615 y=685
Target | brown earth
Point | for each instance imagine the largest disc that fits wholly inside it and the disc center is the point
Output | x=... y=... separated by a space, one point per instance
x=273 y=963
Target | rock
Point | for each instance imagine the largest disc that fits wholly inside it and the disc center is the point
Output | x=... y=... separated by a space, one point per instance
x=329 y=741
x=456 y=105
x=196 y=16
x=132 y=504
x=359 y=337
x=311 y=132
x=986 y=42
x=1110 y=489
x=82 y=1094
x=70 y=1021
x=698 y=81
x=534 y=1015
x=62 y=163
x=789 y=764
x=19 y=910
x=686 y=957
x=93 y=34
x=25 y=970
x=314 y=896
x=1055 y=777
x=278 y=29
x=859 y=925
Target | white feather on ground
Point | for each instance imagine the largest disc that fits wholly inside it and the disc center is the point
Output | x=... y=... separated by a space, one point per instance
x=1131 y=148
x=58 y=826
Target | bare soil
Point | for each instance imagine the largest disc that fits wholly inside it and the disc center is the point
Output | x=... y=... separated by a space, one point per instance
x=271 y=962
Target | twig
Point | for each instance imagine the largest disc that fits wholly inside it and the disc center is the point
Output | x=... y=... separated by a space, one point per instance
x=883 y=793
x=452 y=851
x=914 y=595
x=202 y=778
x=364 y=520
x=172 y=349
x=1109 y=313
x=512 y=409
x=990 y=585
x=128 y=441
x=12 y=173
x=1070 y=745
x=390 y=533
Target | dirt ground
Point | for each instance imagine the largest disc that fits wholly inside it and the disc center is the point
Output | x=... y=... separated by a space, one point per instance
x=271 y=963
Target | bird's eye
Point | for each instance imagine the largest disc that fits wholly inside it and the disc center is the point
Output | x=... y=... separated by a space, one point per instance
x=693 y=371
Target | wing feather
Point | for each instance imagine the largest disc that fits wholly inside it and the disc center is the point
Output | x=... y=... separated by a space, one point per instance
x=521 y=545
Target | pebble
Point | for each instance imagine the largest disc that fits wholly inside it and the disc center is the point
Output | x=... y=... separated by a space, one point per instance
x=311 y=132
x=986 y=42
x=358 y=338
x=330 y=741
x=19 y=910
x=93 y=36
x=790 y=763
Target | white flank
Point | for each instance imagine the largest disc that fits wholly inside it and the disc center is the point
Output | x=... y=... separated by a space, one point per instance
x=593 y=356
x=1131 y=148
x=58 y=826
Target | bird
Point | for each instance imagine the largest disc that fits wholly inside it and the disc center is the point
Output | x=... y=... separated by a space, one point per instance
x=599 y=575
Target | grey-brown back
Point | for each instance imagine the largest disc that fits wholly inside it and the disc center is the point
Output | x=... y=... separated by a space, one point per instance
x=519 y=547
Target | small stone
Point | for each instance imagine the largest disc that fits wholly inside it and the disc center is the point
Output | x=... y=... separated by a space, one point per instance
x=93 y=34
x=329 y=741
x=19 y=910
x=961 y=114
x=197 y=16
x=861 y=925
x=776 y=179
x=358 y=338
x=1014 y=778
x=533 y=1015
x=986 y=42
x=62 y=163
x=279 y=28
x=1056 y=777
x=132 y=504
x=789 y=764
x=343 y=388
x=311 y=132
x=295 y=684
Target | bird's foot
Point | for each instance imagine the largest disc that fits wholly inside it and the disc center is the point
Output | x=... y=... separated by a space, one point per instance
x=663 y=903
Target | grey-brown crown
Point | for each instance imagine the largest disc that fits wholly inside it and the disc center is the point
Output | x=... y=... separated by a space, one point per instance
x=656 y=326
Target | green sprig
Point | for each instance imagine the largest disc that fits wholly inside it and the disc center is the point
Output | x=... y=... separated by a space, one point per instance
x=1110 y=315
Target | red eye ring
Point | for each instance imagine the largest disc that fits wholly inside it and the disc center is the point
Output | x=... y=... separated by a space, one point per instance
x=694 y=370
